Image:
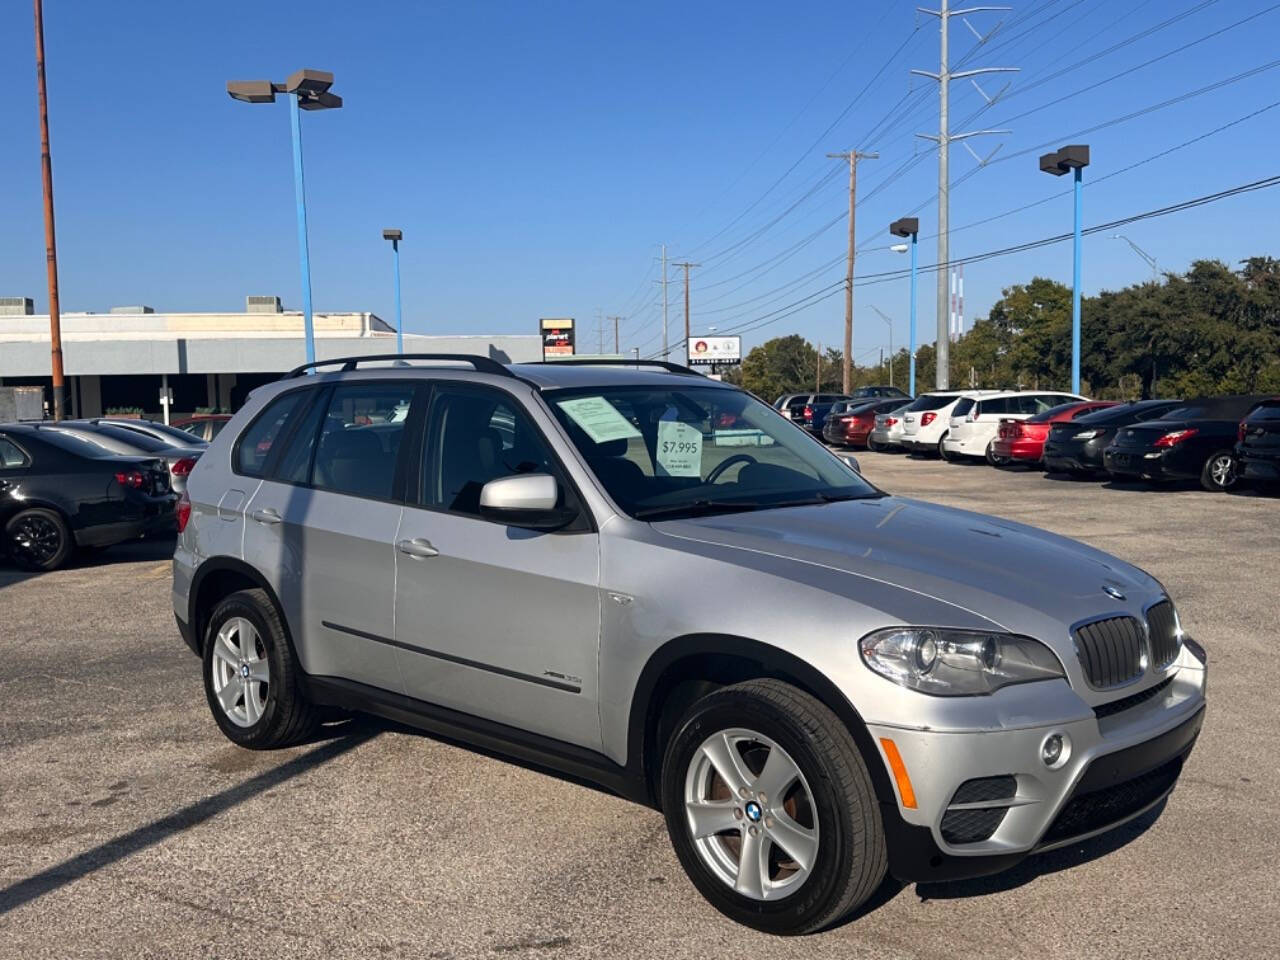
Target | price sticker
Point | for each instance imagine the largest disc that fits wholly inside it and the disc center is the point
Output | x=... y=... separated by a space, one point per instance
x=679 y=449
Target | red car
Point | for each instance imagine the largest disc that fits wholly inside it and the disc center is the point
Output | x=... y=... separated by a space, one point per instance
x=852 y=427
x=1023 y=440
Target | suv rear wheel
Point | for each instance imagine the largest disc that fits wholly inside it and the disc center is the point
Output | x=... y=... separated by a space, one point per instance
x=770 y=808
x=250 y=677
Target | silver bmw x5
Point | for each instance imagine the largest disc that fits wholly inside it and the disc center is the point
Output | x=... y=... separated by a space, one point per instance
x=642 y=577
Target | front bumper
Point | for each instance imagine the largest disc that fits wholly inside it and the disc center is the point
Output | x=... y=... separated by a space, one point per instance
x=1114 y=767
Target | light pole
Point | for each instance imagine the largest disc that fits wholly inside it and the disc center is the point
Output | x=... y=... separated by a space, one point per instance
x=1151 y=261
x=308 y=90
x=1074 y=158
x=889 y=322
x=909 y=227
x=395 y=236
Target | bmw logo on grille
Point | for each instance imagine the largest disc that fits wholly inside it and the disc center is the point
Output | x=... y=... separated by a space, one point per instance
x=754 y=812
x=1112 y=592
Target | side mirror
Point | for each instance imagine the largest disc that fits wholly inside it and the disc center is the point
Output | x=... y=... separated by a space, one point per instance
x=851 y=461
x=525 y=500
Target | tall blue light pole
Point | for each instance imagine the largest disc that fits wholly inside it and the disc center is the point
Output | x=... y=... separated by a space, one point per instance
x=1074 y=159
x=395 y=236
x=909 y=227
x=307 y=90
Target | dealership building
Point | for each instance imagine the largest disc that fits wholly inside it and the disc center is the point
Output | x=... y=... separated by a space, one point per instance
x=124 y=358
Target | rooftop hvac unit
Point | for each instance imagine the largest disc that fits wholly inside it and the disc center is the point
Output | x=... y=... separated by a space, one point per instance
x=136 y=308
x=263 y=305
x=17 y=306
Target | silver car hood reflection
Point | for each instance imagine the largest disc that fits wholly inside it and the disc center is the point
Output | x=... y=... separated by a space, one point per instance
x=1014 y=576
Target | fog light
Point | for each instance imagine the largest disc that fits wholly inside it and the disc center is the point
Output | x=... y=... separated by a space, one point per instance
x=1051 y=752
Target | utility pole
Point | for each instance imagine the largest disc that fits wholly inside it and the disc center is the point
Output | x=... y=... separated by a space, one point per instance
x=50 y=239
x=943 y=139
x=889 y=323
x=616 y=321
x=817 y=379
x=666 y=352
x=687 y=333
x=853 y=156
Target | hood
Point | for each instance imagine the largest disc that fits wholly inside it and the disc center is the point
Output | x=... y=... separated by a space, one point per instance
x=899 y=554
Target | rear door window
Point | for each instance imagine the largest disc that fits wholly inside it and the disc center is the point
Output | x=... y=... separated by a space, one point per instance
x=359 y=440
x=997 y=407
x=255 y=444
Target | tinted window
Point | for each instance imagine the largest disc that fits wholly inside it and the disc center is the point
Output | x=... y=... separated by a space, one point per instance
x=962 y=407
x=255 y=443
x=1151 y=413
x=931 y=401
x=175 y=435
x=215 y=427
x=1268 y=411
x=295 y=462
x=10 y=455
x=1045 y=416
x=475 y=436
x=998 y=407
x=360 y=439
x=134 y=438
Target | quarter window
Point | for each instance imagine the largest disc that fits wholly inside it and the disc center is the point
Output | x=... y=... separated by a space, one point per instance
x=255 y=443
x=10 y=455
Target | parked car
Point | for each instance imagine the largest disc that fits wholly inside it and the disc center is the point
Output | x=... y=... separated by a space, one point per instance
x=1022 y=441
x=794 y=404
x=132 y=442
x=172 y=435
x=852 y=426
x=887 y=433
x=896 y=686
x=203 y=426
x=1076 y=446
x=1195 y=441
x=59 y=491
x=879 y=391
x=1258 y=446
x=975 y=421
x=814 y=414
x=925 y=422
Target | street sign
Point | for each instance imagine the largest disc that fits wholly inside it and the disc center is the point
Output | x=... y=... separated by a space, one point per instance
x=708 y=351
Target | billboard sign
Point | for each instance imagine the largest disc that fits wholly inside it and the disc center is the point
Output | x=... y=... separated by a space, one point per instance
x=707 y=351
x=557 y=337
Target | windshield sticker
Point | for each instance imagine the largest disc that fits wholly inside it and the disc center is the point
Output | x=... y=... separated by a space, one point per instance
x=679 y=449
x=599 y=419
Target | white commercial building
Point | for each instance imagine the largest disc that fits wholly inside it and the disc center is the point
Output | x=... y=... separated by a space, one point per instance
x=123 y=359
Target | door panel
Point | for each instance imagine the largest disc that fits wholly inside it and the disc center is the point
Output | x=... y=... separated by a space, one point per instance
x=495 y=620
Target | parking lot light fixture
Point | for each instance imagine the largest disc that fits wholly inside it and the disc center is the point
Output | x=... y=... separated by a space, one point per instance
x=1072 y=158
x=395 y=236
x=909 y=227
x=306 y=90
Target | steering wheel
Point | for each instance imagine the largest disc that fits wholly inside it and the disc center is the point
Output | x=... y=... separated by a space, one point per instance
x=725 y=464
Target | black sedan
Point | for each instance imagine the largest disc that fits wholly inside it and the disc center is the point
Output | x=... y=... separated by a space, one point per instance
x=1076 y=446
x=1258 y=450
x=1193 y=441
x=59 y=491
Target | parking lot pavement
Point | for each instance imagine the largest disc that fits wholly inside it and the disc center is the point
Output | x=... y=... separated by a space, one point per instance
x=130 y=827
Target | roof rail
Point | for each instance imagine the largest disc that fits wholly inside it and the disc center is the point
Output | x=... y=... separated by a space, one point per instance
x=481 y=364
x=621 y=362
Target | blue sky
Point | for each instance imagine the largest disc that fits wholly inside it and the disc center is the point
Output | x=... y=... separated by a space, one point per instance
x=536 y=154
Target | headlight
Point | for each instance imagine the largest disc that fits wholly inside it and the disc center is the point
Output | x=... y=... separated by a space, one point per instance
x=955 y=663
x=1087 y=434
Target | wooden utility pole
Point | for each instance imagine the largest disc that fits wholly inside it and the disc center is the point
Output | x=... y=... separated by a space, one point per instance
x=817 y=378
x=50 y=240
x=616 y=321
x=852 y=156
x=687 y=334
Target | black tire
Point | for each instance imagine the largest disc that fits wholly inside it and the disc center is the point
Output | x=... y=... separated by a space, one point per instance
x=1213 y=478
x=851 y=859
x=995 y=461
x=287 y=716
x=38 y=539
x=875 y=446
x=944 y=453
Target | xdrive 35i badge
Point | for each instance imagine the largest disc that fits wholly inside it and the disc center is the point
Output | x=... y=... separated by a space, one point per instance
x=1112 y=592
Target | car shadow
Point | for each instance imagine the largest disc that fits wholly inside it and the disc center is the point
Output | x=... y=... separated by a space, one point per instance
x=1033 y=867
x=152 y=549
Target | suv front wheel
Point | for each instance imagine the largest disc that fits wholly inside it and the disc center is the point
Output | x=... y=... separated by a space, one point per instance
x=250 y=677
x=771 y=809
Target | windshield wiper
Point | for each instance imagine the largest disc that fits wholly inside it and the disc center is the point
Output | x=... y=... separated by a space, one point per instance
x=704 y=506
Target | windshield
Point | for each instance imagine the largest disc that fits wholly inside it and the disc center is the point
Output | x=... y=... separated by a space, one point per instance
x=99 y=444
x=176 y=435
x=665 y=452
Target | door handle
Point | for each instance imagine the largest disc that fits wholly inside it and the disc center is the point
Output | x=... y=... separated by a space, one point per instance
x=417 y=548
x=266 y=515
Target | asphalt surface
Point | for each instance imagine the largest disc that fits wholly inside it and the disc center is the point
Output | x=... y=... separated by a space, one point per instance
x=130 y=827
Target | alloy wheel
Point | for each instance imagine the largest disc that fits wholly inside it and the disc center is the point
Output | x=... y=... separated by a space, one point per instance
x=36 y=539
x=751 y=814
x=1223 y=470
x=241 y=673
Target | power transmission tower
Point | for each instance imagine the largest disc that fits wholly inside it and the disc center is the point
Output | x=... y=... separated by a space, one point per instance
x=687 y=334
x=853 y=156
x=616 y=343
x=943 y=139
